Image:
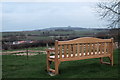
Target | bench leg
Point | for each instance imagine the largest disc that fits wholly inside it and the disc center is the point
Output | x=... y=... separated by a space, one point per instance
x=111 y=59
x=57 y=67
x=102 y=62
x=48 y=64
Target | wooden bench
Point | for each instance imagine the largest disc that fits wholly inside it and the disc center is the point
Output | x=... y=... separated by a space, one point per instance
x=78 y=49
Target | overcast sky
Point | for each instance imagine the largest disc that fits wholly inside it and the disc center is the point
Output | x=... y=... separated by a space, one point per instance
x=20 y=16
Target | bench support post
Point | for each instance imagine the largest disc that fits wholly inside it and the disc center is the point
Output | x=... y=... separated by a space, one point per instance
x=47 y=61
x=48 y=64
x=57 y=67
x=111 y=61
x=111 y=57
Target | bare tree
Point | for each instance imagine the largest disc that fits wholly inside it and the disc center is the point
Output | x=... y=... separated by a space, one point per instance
x=110 y=11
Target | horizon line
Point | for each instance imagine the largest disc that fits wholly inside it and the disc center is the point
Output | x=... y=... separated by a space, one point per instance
x=50 y=27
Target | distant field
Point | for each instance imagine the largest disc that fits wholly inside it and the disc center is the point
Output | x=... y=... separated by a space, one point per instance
x=33 y=48
x=51 y=32
x=45 y=35
x=34 y=67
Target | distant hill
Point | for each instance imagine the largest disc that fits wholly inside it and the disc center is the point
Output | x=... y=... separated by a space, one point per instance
x=63 y=28
x=70 y=28
x=58 y=29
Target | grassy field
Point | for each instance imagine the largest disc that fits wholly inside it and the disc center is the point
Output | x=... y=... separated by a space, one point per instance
x=45 y=35
x=31 y=48
x=34 y=67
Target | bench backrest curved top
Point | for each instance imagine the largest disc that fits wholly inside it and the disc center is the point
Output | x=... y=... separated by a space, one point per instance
x=85 y=40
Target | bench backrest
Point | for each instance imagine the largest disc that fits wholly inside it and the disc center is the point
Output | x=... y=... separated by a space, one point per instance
x=85 y=46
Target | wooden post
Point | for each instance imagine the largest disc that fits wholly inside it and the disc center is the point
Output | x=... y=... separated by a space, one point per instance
x=112 y=61
x=56 y=57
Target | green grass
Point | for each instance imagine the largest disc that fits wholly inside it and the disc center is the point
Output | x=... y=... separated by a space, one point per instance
x=38 y=38
x=32 y=48
x=34 y=67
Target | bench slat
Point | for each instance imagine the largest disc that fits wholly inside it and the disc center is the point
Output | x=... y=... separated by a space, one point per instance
x=60 y=51
x=105 y=48
x=74 y=50
x=65 y=51
x=86 y=49
x=110 y=48
x=69 y=50
x=98 y=47
x=90 y=47
x=56 y=49
x=101 y=48
x=94 y=49
x=82 y=54
x=78 y=50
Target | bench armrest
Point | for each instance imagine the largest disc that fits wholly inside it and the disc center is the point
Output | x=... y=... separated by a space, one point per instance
x=49 y=51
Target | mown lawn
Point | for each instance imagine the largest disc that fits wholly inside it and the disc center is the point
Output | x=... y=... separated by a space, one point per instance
x=34 y=67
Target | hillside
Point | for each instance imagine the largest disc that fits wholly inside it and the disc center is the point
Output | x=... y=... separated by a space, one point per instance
x=49 y=35
x=65 y=28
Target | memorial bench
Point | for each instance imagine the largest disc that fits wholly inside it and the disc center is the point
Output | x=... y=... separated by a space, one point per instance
x=79 y=49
